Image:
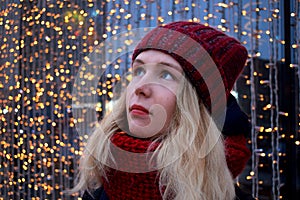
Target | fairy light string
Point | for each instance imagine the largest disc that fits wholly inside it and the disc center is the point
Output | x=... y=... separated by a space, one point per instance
x=255 y=151
x=296 y=52
x=298 y=61
x=274 y=116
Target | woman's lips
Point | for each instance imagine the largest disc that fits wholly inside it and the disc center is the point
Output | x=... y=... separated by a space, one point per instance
x=138 y=110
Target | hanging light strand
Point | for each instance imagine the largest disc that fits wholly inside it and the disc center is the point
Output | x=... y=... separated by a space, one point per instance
x=297 y=57
x=273 y=77
x=255 y=161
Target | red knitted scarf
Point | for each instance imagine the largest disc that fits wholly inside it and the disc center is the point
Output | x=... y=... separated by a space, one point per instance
x=134 y=179
x=131 y=178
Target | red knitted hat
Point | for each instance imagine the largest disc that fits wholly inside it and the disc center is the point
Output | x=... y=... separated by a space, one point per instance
x=211 y=60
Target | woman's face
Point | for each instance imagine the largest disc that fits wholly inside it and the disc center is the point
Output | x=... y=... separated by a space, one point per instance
x=151 y=95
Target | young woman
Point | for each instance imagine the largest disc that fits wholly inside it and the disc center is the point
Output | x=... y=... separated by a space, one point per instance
x=163 y=139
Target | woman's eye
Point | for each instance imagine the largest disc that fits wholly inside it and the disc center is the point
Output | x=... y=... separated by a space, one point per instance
x=167 y=75
x=138 y=71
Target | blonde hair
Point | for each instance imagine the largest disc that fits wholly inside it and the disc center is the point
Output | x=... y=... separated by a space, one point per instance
x=185 y=173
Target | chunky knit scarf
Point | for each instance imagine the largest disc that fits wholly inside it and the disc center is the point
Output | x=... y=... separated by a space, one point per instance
x=127 y=181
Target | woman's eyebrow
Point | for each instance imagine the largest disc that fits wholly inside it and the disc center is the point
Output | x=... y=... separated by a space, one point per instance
x=178 y=68
x=138 y=61
x=171 y=65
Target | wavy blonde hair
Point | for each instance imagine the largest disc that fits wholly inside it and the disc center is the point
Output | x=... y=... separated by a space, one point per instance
x=187 y=172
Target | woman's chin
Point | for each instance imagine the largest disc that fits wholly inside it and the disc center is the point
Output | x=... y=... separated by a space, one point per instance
x=143 y=132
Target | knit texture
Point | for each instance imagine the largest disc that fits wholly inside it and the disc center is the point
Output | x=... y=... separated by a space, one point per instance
x=143 y=186
x=211 y=60
x=237 y=154
x=131 y=186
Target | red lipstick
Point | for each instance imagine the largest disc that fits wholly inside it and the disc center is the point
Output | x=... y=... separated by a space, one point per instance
x=138 y=110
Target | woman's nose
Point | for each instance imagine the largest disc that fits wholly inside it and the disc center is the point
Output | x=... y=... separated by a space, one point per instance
x=144 y=90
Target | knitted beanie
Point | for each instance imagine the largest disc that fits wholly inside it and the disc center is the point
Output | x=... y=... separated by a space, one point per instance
x=211 y=60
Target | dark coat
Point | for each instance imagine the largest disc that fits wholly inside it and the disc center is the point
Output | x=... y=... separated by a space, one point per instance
x=100 y=194
x=236 y=120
